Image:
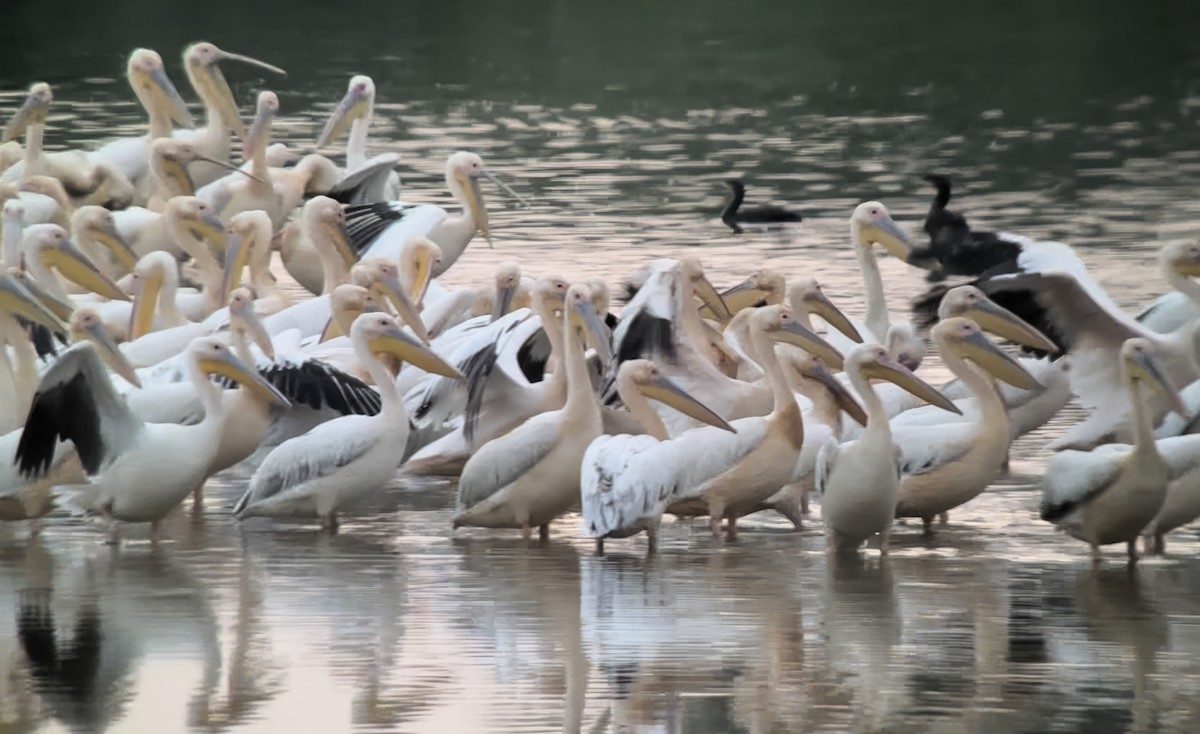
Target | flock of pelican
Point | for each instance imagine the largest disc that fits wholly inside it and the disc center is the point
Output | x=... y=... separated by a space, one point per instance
x=148 y=346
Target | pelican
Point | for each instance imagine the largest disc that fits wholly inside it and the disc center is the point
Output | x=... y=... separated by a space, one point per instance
x=354 y=112
x=237 y=193
x=1110 y=494
x=319 y=472
x=47 y=247
x=31 y=500
x=18 y=381
x=382 y=229
x=1081 y=317
x=871 y=225
x=859 y=481
x=95 y=231
x=157 y=94
x=170 y=159
x=200 y=61
x=529 y=476
x=614 y=504
x=139 y=471
x=726 y=475
x=944 y=466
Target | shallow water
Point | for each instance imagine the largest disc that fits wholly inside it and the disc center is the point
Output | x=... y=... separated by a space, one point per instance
x=618 y=123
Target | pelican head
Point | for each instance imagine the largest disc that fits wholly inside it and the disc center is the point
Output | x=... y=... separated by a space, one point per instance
x=815 y=378
x=1142 y=364
x=420 y=258
x=18 y=300
x=95 y=224
x=762 y=285
x=381 y=334
x=33 y=112
x=969 y=301
x=244 y=318
x=56 y=250
x=86 y=325
x=872 y=225
x=150 y=276
x=246 y=234
x=693 y=272
x=601 y=295
x=463 y=171
x=964 y=337
x=169 y=158
x=550 y=294
x=874 y=362
x=212 y=357
x=347 y=303
x=60 y=308
x=154 y=88
x=1182 y=258
x=508 y=280
x=805 y=296
x=200 y=61
x=325 y=223
x=780 y=324
x=902 y=341
x=356 y=105
x=580 y=313
x=646 y=378
x=259 y=135
x=383 y=277
x=197 y=218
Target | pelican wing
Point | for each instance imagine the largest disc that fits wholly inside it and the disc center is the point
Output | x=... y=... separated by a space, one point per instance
x=381 y=229
x=1074 y=477
x=1182 y=454
x=322 y=451
x=318 y=384
x=501 y=462
x=366 y=184
x=76 y=402
x=927 y=448
x=623 y=479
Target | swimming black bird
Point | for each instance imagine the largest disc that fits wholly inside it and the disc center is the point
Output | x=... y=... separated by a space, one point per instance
x=954 y=248
x=734 y=215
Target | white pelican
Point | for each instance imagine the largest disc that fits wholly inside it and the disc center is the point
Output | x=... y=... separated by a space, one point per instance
x=529 y=476
x=871 y=225
x=18 y=381
x=382 y=229
x=319 y=472
x=157 y=94
x=139 y=472
x=22 y=499
x=723 y=475
x=237 y=193
x=1108 y=495
x=200 y=61
x=859 y=481
x=613 y=503
x=95 y=231
x=47 y=248
x=355 y=111
x=944 y=466
x=1082 y=318
x=1182 y=503
x=169 y=161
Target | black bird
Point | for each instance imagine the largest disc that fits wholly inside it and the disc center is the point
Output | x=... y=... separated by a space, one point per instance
x=954 y=248
x=734 y=215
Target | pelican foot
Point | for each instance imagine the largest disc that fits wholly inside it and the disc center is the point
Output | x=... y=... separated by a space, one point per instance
x=731 y=531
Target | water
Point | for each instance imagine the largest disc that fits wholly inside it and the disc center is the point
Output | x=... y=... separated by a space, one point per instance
x=618 y=120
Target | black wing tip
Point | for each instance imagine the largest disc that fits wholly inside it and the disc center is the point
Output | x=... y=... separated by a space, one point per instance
x=925 y=306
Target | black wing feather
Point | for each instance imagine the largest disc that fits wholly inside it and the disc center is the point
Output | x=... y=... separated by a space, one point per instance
x=366 y=222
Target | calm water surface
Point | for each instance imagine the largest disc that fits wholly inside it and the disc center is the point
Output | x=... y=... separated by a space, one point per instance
x=618 y=120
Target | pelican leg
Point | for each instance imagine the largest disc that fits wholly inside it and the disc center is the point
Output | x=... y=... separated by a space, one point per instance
x=526 y=531
x=544 y=533
x=652 y=537
x=927 y=525
x=1160 y=544
x=329 y=522
x=831 y=542
x=943 y=518
x=599 y=546
x=731 y=531
x=1095 y=554
x=884 y=537
x=1131 y=549
x=35 y=527
x=198 y=497
x=155 y=532
x=112 y=535
x=804 y=508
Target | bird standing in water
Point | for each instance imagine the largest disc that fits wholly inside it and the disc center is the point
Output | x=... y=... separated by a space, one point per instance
x=734 y=216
